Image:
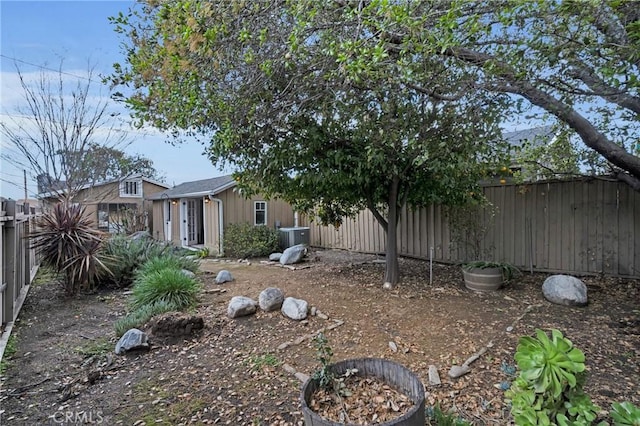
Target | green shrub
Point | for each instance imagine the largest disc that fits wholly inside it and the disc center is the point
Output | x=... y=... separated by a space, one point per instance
x=123 y=256
x=140 y=317
x=68 y=243
x=168 y=261
x=165 y=285
x=437 y=417
x=244 y=240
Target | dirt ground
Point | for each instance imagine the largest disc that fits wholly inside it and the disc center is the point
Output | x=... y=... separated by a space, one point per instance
x=65 y=371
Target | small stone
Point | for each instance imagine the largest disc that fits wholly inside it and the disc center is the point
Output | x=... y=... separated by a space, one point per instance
x=458 y=371
x=393 y=346
x=509 y=329
x=314 y=311
x=133 y=339
x=289 y=369
x=387 y=286
x=301 y=376
x=223 y=277
x=322 y=316
x=434 y=377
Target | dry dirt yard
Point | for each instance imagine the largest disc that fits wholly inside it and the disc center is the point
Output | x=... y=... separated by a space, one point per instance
x=232 y=372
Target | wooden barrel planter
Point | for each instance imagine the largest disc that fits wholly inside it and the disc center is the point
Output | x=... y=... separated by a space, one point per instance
x=391 y=373
x=483 y=279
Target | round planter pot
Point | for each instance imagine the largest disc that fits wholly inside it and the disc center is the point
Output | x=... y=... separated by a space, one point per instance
x=392 y=373
x=483 y=279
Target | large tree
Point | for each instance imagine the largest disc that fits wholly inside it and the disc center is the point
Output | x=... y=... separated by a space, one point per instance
x=576 y=61
x=65 y=136
x=268 y=83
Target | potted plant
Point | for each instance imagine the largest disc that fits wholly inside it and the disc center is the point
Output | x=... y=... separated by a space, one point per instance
x=329 y=396
x=482 y=275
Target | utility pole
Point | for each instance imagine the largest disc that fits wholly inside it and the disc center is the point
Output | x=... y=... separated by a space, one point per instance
x=25 y=186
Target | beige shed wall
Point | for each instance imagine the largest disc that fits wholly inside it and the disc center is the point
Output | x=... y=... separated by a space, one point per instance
x=238 y=209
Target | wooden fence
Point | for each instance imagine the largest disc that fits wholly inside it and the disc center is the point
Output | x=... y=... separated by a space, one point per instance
x=19 y=262
x=578 y=226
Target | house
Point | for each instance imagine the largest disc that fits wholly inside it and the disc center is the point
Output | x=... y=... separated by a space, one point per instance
x=117 y=205
x=534 y=138
x=195 y=214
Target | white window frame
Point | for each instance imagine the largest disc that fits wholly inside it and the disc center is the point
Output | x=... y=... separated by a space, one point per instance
x=256 y=210
x=124 y=186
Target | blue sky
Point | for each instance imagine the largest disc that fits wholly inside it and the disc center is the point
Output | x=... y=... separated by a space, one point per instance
x=42 y=33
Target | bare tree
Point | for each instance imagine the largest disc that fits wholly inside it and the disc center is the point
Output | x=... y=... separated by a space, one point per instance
x=61 y=132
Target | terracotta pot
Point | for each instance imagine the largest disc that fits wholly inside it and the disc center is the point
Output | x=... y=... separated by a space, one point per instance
x=483 y=279
x=392 y=373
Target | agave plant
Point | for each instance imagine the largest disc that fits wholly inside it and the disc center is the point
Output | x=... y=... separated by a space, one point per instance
x=69 y=244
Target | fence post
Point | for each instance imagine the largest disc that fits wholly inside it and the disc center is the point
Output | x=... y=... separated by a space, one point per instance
x=9 y=243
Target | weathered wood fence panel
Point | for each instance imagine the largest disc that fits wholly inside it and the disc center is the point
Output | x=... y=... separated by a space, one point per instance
x=19 y=262
x=577 y=226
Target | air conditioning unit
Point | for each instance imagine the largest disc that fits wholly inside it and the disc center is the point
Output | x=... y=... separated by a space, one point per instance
x=294 y=236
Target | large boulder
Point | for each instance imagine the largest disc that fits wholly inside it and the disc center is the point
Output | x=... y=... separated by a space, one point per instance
x=296 y=309
x=132 y=340
x=271 y=299
x=241 y=306
x=293 y=254
x=223 y=277
x=565 y=290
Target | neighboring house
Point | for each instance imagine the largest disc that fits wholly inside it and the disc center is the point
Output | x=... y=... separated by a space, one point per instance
x=535 y=137
x=195 y=214
x=109 y=204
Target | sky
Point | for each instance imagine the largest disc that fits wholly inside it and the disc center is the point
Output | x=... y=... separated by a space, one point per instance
x=37 y=36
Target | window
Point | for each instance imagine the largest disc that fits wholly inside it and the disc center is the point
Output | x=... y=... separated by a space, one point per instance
x=114 y=217
x=131 y=188
x=260 y=213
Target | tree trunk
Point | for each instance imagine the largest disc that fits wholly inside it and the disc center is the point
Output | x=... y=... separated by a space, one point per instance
x=392 y=269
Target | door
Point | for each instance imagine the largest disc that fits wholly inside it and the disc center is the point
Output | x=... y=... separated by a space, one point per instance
x=192 y=222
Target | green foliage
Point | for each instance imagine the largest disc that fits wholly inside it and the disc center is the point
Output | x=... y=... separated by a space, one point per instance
x=9 y=351
x=549 y=387
x=123 y=256
x=329 y=120
x=168 y=260
x=625 y=414
x=323 y=376
x=244 y=240
x=203 y=253
x=167 y=285
x=97 y=347
x=141 y=316
x=70 y=245
x=258 y=362
x=435 y=416
x=508 y=270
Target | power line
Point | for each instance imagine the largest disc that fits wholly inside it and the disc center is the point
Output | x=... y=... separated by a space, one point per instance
x=47 y=68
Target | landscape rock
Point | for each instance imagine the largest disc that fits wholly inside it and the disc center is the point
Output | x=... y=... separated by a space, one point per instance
x=188 y=273
x=174 y=324
x=223 y=277
x=241 y=306
x=565 y=290
x=274 y=257
x=293 y=254
x=458 y=371
x=296 y=309
x=132 y=340
x=271 y=299
x=434 y=377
